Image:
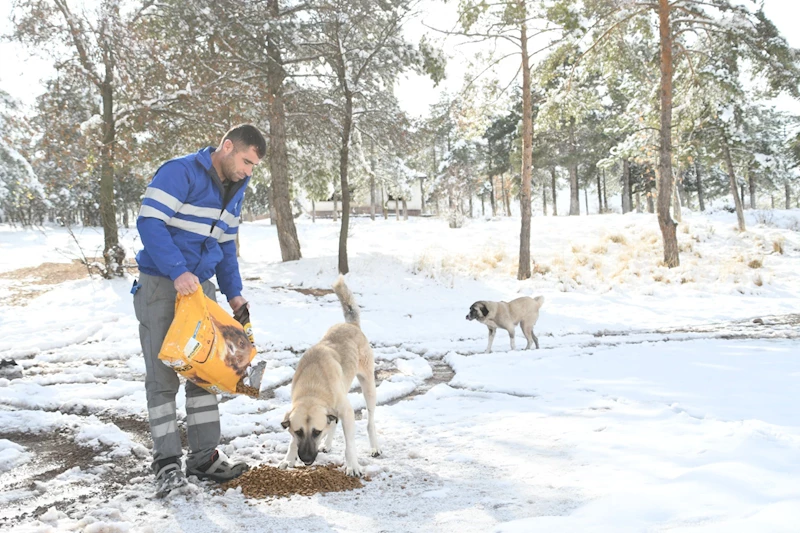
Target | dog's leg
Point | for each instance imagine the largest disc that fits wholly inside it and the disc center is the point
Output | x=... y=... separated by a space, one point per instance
x=511 y=336
x=291 y=456
x=352 y=468
x=535 y=339
x=492 y=331
x=368 y=388
x=528 y=332
x=329 y=439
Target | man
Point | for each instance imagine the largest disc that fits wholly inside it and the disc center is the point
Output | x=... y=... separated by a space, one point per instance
x=188 y=223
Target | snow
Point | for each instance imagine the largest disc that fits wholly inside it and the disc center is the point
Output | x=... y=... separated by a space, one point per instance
x=654 y=402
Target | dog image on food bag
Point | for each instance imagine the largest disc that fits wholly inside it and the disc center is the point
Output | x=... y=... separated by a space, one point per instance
x=506 y=315
x=320 y=386
x=237 y=344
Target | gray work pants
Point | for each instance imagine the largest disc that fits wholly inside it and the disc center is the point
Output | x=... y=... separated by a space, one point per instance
x=154 y=304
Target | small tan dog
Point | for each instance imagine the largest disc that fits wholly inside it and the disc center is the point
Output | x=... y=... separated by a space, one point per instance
x=506 y=315
x=320 y=386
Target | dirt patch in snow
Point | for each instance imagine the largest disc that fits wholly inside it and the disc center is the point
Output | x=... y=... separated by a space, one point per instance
x=49 y=273
x=316 y=293
x=41 y=276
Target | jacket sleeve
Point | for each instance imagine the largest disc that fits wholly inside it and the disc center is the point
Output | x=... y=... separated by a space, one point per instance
x=163 y=198
x=228 y=277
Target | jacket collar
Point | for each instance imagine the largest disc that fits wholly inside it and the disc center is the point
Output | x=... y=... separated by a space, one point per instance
x=204 y=156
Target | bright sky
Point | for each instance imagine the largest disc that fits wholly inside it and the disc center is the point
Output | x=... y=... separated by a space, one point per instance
x=22 y=72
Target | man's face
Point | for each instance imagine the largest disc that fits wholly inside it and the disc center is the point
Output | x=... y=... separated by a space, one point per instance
x=237 y=164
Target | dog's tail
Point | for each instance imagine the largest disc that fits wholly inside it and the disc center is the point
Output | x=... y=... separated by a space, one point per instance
x=540 y=300
x=351 y=313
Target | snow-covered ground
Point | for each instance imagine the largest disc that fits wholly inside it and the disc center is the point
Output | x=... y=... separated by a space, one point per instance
x=655 y=402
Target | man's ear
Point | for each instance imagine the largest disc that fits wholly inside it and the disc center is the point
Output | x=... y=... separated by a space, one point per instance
x=332 y=419
x=285 y=423
x=228 y=147
x=484 y=310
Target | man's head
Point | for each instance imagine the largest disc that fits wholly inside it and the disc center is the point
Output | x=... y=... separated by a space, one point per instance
x=241 y=148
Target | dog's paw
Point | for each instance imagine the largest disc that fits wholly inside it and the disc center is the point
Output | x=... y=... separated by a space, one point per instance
x=283 y=465
x=353 y=470
x=375 y=452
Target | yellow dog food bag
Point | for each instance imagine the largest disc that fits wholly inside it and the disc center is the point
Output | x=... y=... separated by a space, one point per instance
x=207 y=346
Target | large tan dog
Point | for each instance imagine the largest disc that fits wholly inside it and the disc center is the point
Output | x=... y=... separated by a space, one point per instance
x=506 y=315
x=320 y=386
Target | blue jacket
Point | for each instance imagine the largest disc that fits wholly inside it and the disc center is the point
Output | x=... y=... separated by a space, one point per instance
x=185 y=227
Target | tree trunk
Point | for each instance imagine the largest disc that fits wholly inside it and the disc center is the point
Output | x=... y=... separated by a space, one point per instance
x=751 y=181
x=788 y=195
x=505 y=195
x=668 y=226
x=605 y=193
x=343 y=162
x=676 y=200
x=313 y=211
x=372 y=197
x=627 y=197
x=732 y=177
x=271 y=199
x=405 y=210
x=397 y=209
x=699 y=187
x=586 y=198
x=470 y=207
x=483 y=204
x=383 y=203
x=373 y=165
x=524 y=271
x=335 y=207
x=553 y=186
x=113 y=253
x=599 y=195
x=278 y=157
x=422 y=196
x=492 y=198
x=544 y=198
x=574 y=194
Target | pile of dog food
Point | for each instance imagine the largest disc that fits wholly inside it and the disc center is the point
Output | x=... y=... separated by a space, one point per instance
x=265 y=481
x=241 y=388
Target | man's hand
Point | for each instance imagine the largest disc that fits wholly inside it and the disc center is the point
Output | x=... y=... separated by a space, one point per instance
x=187 y=283
x=236 y=302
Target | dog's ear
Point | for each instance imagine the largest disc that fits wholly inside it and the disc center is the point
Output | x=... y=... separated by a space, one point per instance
x=285 y=423
x=332 y=419
x=483 y=309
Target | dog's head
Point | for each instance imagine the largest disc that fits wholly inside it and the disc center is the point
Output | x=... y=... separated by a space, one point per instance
x=308 y=425
x=478 y=311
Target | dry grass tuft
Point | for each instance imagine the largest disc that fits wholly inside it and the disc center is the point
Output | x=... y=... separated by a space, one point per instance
x=600 y=249
x=755 y=263
x=541 y=269
x=617 y=239
x=777 y=246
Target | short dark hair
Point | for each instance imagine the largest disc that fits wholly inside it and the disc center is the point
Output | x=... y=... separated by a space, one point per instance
x=247 y=135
